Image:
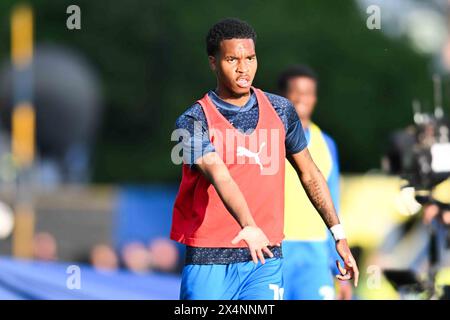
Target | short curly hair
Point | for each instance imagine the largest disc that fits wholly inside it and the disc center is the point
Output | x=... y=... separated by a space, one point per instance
x=229 y=28
x=295 y=71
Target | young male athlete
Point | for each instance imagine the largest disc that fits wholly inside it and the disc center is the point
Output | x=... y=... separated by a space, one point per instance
x=229 y=209
x=309 y=259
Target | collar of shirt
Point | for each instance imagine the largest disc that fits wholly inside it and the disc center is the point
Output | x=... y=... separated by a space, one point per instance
x=231 y=108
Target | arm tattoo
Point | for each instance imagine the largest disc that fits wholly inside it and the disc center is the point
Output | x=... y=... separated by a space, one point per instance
x=317 y=190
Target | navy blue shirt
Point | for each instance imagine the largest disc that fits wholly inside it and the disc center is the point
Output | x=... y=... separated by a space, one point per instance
x=243 y=118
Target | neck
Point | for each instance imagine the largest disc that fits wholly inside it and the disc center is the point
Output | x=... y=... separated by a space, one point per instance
x=230 y=97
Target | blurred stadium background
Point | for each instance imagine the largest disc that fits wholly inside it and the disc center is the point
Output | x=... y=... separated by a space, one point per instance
x=86 y=115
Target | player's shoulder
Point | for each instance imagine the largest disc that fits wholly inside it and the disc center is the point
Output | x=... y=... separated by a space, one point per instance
x=326 y=135
x=278 y=101
x=329 y=140
x=192 y=113
x=284 y=108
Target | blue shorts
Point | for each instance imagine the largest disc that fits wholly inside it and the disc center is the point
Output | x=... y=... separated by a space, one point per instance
x=306 y=271
x=235 y=281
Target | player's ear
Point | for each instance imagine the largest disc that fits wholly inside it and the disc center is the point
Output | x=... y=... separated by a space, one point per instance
x=212 y=62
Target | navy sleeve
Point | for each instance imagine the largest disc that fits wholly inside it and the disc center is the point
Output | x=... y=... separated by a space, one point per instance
x=196 y=143
x=295 y=136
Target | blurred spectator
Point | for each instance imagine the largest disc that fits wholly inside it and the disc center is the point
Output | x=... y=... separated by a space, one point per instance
x=164 y=255
x=103 y=258
x=136 y=257
x=430 y=211
x=44 y=247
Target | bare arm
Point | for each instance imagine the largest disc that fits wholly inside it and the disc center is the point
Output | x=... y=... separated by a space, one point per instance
x=213 y=168
x=318 y=193
x=315 y=186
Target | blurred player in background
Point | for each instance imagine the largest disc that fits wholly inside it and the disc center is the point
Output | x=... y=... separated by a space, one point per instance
x=229 y=210
x=309 y=249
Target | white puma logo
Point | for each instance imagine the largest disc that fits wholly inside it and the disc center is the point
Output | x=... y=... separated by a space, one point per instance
x=242 y=151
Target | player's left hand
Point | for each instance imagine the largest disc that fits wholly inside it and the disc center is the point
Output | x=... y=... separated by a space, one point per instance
x=350 y=270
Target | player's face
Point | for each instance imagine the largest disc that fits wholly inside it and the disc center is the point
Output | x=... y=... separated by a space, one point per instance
x=301 y=91
x=235 y=65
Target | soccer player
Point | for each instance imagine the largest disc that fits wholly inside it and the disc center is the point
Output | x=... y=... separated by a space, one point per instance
x=229 y=210
x=309 y=262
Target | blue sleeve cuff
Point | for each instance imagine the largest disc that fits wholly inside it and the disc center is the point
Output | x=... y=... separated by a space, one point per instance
x=295 y=138
x=207 y=148
x=195 y=148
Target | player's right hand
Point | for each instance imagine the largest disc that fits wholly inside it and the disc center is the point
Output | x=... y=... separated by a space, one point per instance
x=257 y=242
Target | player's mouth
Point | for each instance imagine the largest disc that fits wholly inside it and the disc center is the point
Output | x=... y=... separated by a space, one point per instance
x=243 y=82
